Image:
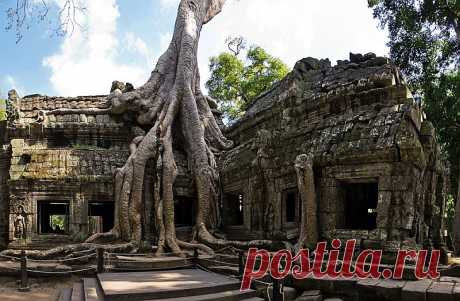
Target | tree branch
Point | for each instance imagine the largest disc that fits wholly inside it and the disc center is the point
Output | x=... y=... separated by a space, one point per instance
x=20 y=16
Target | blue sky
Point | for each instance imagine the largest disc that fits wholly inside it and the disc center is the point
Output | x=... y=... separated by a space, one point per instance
x=122 y=40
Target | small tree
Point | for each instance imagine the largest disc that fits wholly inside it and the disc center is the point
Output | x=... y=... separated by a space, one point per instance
x=235 y=83
x=2 y=110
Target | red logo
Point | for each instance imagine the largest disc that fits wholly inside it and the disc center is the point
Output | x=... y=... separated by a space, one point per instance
x=367 y=264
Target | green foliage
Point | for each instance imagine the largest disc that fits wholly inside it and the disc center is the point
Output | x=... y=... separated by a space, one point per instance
x=58 y=222
x=450 y=215
x=442 y=105
x=235 y=83
x=424 y=41
x=2 y=109
x=424 y=36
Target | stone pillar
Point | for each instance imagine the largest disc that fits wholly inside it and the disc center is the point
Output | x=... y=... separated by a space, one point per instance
x=306 y=185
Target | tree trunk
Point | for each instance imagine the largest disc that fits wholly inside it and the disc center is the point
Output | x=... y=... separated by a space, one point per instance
x=169 y=107
x=305 y=182
x=457 y=220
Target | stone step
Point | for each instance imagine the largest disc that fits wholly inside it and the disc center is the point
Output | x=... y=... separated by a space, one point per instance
x=452 y=271
x=92 y=290
x=65 y=294
x=233 y=295
x=77 y=292
x=139 y=286
x=138 y=263
x=227 y=258
x=223 y=269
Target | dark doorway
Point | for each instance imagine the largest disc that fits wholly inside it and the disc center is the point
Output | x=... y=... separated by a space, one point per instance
x=291 y=206
x=361 y=205
x=59 y=140
x=184 y=212
x=100 y=217
x=53 y=217
x=234 y=209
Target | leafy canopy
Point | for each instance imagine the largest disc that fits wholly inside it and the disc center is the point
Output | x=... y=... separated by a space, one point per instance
x=235 y=82
x=442 y=103
x=424 y=36
x=424 y=41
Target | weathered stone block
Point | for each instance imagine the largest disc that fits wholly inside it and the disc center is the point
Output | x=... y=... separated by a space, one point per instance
x=314 y=295
x=441 y=291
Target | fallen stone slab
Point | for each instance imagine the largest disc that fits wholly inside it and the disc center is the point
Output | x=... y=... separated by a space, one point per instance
x=441 y=291
x=314 y=295
x=452 y=271
x=389 y=289
x=367 y=288
x=415 y=290
x=290 y=293
x=449 y=279
x=456 y=291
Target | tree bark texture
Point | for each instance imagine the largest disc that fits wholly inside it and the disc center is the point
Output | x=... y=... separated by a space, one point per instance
x=306 y=185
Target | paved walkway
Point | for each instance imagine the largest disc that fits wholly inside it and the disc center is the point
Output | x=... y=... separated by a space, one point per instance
x=41 y=289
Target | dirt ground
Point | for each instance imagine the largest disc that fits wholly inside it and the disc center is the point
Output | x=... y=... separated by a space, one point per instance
x=41 y=289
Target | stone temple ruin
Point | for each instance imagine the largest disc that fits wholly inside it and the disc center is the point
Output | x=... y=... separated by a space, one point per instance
x=378 y=173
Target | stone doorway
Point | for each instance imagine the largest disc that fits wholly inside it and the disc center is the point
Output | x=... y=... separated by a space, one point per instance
x=100 y=217
x=360 y=205
x=184 y=212
x=53 y=217
x=291 y=206
x=233 y=209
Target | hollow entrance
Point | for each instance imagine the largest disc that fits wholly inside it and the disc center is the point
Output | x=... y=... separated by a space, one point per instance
x=233 y=209
x=360 y=205
x=53 y=217
x=184 y=212
x=100 y=217
x=291 y=206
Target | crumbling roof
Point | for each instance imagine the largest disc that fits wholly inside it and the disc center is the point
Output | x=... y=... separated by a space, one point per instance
x=357 y=110
x=312 y=79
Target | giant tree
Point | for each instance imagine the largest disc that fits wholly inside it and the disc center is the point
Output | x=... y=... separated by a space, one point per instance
x=169 y=111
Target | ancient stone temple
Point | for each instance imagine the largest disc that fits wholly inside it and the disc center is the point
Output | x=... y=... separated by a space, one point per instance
x=377 y=169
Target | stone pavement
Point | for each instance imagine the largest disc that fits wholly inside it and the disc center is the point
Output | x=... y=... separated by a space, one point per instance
x=41 y=289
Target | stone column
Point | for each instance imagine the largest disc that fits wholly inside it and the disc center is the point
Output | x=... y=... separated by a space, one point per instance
x=306 y=185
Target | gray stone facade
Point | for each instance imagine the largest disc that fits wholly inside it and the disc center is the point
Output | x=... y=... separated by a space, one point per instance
x=363 y=127
x=357 y=119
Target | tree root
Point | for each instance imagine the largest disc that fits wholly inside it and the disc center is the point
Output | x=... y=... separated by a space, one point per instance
x=69 y=250
x=174 y=111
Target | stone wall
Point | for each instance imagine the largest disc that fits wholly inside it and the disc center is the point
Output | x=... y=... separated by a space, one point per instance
x=4 y=195
x=69 y=158
x=361 y=124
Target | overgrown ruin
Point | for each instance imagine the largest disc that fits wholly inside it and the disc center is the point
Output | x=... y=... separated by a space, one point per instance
x=377 y=172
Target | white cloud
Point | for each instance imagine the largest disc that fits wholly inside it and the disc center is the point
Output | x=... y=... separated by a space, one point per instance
x=290 y=30
x=136 y=45
x=87 y=61
x=295 y=29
